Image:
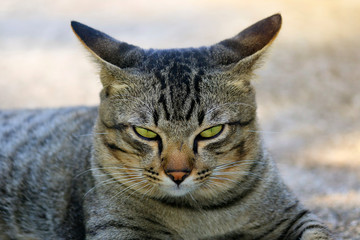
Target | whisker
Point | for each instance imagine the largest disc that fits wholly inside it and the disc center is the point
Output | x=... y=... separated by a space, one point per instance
x=232 y=164
x=149 y=190
x=103 y=183
x=118 y=173
x=91 y=134
x=198 y=206
x=121 y=178
x=213 y=186
x=223 y=178
x=267 y=132
x=239 y=173
x=137 y=190
x=122 y=192
x=225 y=173
x=235 y=162
x=104 y=168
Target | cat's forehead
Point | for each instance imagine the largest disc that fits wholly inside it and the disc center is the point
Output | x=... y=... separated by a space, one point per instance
x=184 y=59
x=183 y=86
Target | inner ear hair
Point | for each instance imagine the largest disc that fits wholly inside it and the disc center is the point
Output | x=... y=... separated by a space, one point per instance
x=114 y=89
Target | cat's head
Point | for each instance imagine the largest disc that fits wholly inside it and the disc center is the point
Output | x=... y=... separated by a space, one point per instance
x=178 y=122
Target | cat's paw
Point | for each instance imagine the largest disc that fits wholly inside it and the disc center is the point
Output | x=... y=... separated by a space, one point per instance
x=316 y=234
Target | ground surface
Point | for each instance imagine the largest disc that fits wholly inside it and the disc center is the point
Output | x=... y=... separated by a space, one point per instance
x=308 y=90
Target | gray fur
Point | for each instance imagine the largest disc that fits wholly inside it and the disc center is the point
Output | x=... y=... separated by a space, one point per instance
x=84 y=172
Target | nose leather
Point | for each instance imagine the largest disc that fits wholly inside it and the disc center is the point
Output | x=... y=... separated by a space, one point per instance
x=178 y=176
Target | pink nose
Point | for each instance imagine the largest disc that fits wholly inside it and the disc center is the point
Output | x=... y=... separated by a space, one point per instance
x=178 y=176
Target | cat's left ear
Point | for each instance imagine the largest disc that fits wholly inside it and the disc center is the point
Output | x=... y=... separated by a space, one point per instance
x=113 y=56
x=107 y=49
x=245 y=49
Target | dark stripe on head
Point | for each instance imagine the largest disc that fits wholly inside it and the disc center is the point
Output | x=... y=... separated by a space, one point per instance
x=239 y=147
x=163 y=102
x=118 y=126
x=216 y=145
x=114 y=147
x=197 y=81
x=161 y=78
x=201 y=117
x=242 y=124
x=156 y=117
x=137 y=145
x=189 y=113
x=160 y=146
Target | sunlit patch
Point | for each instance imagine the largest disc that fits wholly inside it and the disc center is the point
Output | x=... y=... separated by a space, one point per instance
x=340 y=151
x=349 y=199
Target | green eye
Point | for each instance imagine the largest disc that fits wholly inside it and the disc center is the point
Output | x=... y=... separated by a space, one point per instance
x=145 y=133
x=210 y=132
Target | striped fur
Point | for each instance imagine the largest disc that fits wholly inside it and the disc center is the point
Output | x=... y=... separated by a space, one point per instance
x=77 y=173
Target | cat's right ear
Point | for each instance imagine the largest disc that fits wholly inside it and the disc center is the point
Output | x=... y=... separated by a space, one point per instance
x=109 y=52
x=243 y=51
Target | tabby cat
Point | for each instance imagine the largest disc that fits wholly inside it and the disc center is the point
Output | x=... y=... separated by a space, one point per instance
x=172 y=152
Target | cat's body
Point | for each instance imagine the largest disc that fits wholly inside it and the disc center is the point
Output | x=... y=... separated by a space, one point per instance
x=42 y=154
x=174 y=152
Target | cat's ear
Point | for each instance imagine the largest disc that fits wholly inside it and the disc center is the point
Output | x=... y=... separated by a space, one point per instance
x=106 y=49
x=245 y=49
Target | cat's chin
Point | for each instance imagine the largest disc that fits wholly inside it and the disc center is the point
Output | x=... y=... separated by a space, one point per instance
x=177 y=191
x=174 y=190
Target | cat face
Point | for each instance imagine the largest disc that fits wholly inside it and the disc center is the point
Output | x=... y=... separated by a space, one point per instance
x=178 y=122
x=179 y=142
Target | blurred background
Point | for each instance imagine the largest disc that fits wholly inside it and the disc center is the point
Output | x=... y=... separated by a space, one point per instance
x=308 y=90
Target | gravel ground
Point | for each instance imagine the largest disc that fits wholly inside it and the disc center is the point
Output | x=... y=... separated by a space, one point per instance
x=308 y=89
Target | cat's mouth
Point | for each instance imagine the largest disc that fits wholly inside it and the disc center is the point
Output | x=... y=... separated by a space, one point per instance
x=171 y=188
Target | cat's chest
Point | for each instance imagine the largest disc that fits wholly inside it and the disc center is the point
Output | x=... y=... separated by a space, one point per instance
x=197 y=224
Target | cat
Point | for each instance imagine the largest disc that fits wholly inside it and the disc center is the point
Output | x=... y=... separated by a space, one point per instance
x=172 y=152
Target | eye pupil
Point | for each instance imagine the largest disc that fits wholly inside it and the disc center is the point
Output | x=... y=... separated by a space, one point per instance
x=143 y=132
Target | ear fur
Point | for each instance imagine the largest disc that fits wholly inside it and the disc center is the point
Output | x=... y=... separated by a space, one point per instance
x=107 y=49
x=114 y=56
x=248 y=46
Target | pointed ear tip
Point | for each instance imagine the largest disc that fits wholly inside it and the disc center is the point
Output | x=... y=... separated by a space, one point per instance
x=276 y=18
x=75 y=25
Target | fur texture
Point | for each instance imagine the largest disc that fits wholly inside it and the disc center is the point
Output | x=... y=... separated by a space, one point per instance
x=57 y=183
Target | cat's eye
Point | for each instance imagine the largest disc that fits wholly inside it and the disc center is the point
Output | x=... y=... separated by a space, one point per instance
x=145 y=133
x=211 y=132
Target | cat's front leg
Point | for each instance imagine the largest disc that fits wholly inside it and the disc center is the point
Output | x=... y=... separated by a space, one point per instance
x=308 y=227
x=316 y=233
x=116 y=230
x=132 y=226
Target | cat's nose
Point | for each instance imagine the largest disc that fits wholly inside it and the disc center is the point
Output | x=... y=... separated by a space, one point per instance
x=178 y=176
